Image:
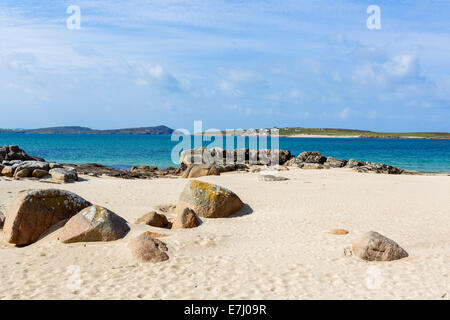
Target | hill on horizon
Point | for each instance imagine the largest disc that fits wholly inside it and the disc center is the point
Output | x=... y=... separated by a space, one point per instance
x=157 y=130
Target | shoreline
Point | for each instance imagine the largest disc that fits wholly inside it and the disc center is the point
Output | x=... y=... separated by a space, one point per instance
x=323 y=136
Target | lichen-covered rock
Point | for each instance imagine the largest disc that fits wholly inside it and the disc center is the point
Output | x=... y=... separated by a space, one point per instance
x=200 y=170
x=153 y=219
x=33 y=211
x=145 y=248
x=94 y=223
x=373 y=246
x=185 y=220
x=208 y=200
x=64 y=174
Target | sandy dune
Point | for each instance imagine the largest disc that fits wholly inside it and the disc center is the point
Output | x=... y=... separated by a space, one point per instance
x=278 y=249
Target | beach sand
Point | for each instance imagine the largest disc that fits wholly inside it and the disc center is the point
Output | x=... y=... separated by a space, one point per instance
x=278 y=248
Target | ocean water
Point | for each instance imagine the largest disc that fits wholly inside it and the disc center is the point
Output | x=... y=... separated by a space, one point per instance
x=123 y=151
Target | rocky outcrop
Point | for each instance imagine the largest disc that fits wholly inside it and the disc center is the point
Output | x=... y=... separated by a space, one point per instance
x=378 y=168
x=94 y=223
x=200 y=170
x=373 y=246
x=315 y=160
x=208 y=200
x=219 y=156
x=33 y=211
x=13 y=152
x=185 y=220
x=145 y=248
x=153 y=219
x=97 y=170
x=23 y=169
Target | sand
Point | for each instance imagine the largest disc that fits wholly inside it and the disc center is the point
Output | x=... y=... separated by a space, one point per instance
x=278 y=248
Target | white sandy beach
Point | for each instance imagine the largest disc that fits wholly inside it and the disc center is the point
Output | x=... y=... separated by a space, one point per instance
x=278 y=251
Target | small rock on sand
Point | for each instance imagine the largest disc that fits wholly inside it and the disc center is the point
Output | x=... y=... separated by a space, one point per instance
x=185 y=220
x=145 y=248
x=153 y=219
x=373 y=246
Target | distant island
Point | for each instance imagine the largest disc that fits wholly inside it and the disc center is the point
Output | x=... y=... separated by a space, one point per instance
x=158 y=130
x=299 y=132
x=339 y=133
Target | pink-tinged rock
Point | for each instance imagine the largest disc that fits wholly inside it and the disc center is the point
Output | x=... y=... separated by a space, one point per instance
x=33 y=211
x=94 y=223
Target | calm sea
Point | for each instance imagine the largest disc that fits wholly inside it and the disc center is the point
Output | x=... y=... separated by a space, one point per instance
x=123 y=151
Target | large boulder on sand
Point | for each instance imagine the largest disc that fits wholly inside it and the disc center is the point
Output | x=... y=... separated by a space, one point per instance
x=200 y=170
x=145 y=248
x=208 y=200
x=94 y=223
x=64 y=174
x=153 y=219
x=33 y=211
x=373 y=246
x=185 y=220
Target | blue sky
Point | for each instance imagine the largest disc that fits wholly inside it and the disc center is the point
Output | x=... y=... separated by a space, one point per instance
x=232 y=64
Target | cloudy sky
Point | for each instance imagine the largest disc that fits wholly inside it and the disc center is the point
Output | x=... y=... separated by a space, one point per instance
x=230 y=63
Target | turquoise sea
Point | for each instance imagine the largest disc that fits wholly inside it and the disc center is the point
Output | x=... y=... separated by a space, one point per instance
x=123 y=151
